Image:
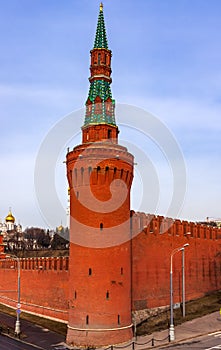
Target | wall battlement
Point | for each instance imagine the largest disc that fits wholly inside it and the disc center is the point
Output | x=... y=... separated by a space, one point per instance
x=173 y=227
x=42 y=263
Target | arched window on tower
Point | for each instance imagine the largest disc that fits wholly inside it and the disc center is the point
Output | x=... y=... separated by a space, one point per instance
x=99 y=58
x=98 y=171
x=82 y=175
x=109 y=134
x=94 y=59
x=127 y=173
x=106 y=172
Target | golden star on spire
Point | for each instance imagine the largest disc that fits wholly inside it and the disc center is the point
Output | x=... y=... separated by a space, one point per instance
x=101 y=6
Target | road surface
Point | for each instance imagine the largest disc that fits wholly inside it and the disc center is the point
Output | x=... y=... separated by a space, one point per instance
x=36 y=335
x=11 y=344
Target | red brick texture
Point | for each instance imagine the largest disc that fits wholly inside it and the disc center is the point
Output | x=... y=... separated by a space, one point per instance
x=151 y=251
x=44 y=286
x=100 y=177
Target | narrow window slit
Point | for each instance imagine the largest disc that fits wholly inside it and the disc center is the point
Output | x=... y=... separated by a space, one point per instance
x=87 y=319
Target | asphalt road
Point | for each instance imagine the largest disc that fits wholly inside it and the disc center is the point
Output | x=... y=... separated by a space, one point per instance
x=11 y=344
x=41 y=337
x=209 y=342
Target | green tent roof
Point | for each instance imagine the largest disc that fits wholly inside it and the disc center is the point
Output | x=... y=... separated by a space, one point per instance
x=101 y=37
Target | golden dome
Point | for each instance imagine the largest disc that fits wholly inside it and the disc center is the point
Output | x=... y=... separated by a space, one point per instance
x=60 y=228
x=10 y=217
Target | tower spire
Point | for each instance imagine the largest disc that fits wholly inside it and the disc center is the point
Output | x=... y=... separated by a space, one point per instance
x=101 y=36
x=100 y=107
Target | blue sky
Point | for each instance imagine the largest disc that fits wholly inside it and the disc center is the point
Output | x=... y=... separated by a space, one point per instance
x=166 y=60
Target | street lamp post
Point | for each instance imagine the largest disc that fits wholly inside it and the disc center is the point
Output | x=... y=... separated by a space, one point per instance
x=172 y=331
x=183 y=279
x=183 y=283
x=17 y=323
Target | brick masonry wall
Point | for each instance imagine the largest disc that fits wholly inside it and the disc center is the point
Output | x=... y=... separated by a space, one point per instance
x=151 y=250
x=45 y=281
x=44 y=286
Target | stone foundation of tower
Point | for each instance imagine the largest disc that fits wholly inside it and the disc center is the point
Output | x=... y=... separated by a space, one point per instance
x=98 y=337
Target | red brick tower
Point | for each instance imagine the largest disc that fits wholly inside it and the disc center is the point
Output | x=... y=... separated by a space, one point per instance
x=100 y=174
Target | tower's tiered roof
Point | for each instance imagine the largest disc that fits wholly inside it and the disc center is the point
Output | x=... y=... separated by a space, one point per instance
x=100 y=107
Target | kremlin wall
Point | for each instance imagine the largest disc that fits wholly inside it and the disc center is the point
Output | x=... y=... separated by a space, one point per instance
x=119 y=260
x=44 y=281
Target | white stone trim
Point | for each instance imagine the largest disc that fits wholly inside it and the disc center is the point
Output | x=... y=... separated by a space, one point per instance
x=100 y=329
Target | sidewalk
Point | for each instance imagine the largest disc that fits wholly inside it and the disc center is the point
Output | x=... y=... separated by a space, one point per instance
x=188 y=330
